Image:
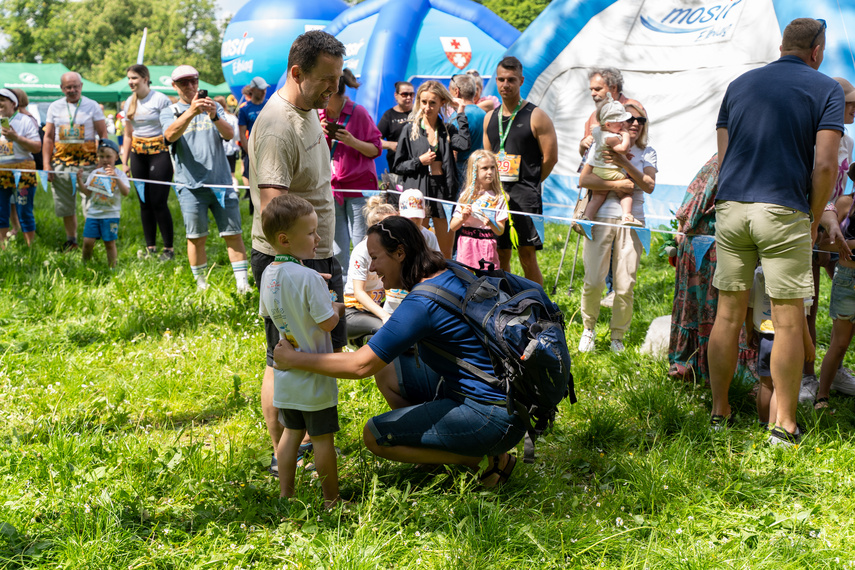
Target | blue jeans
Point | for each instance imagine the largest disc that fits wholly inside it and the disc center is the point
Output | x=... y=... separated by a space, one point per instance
x=195 y=204
x=443 y=419
x=842 y=305
x=349 y=226
x=22 y=200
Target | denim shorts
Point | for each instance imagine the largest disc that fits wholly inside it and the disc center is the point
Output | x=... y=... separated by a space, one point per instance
x=842 y=305
x=194 y=207
x=106 y=229
x=443 y=419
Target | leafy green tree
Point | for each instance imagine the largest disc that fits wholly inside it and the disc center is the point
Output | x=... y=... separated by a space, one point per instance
x=100 y=38
x=518 y=13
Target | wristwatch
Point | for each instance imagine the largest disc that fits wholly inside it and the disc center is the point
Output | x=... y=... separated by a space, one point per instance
x=215 y=118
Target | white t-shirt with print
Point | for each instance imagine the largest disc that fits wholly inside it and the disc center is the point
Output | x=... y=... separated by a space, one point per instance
x=146 y=121
x=100 y=205
x=61 y=112
x=297 y=298
x=12 y=151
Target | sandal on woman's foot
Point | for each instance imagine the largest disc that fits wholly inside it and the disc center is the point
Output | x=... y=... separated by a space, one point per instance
x=504 y=474
x=629 y=220
x=578 y=228
x=820 y=404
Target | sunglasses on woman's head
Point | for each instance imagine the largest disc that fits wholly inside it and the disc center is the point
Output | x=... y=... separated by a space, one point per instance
x=639 y=120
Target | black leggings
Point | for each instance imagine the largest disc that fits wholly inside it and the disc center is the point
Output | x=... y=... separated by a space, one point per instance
x=154 y=211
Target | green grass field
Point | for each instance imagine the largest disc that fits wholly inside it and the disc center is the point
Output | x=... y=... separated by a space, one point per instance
x=132 y=438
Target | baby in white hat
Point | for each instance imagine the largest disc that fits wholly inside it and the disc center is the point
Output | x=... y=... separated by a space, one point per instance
x=611 y=135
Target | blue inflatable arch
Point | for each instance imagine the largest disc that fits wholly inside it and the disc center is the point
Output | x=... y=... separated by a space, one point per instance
x=396 y=30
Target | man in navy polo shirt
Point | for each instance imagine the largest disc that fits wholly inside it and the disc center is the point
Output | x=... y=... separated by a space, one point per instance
x=779 y=128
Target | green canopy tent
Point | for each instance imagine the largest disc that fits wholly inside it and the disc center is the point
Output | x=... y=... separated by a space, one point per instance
x=40 y=81
x=161 y=80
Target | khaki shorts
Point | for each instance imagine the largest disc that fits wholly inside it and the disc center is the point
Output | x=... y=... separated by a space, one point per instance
x=776 y=235
x=64 y=197
x=609 y=173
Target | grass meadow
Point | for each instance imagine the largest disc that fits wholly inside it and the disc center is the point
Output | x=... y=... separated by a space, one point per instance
x=131 y=437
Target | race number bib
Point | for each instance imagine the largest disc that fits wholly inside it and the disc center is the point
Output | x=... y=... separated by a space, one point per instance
x=72 y=135
x=7 y=153
x=509 y=167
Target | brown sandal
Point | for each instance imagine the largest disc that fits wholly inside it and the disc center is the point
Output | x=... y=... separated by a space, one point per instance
x=504 y=474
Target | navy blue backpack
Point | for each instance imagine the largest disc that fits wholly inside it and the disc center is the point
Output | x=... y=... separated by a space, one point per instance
x=523 y=332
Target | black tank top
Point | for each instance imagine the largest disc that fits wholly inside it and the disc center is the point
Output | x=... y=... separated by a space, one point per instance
x=520 y=141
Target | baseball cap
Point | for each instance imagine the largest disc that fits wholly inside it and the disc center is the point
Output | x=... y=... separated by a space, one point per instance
x=109 y=144
x=184 y=71
x=11 y=96
x=258 y=83
x=848 y=89
x=412 y=204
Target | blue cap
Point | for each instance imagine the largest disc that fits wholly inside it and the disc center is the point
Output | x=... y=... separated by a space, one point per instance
x=109 y=144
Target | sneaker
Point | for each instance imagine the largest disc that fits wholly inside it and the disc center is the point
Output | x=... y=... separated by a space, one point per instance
x=201 y=285
x=586 y=343
x=244 y=288
x=609 y=300
x=844 y=382
x=167 y=255
x=808 y=390
x=720 y=423
x=780 y=436
x=617 y=345
x=69 y=245
x=274 y=466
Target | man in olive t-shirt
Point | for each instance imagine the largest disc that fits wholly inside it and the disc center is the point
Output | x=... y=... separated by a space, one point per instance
x=288 y=154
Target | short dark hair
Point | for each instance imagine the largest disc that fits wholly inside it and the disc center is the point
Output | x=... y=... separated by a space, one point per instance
x=307 y=47
x=802 y=34
x=281 y=213
x=347 y=79
x=398 y=85
x=419 y=260
x=511 y=64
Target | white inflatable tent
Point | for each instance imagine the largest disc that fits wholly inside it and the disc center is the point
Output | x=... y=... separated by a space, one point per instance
x=677 y=57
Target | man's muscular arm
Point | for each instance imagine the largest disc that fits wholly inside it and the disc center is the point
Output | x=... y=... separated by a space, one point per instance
x=544 y=131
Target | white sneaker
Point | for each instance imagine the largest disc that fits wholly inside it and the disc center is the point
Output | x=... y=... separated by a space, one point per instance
x=608 y=300
x=586 y=343
x=617 y=345
x=807 y=392
x=844 y=382
x=244 y=288
x=201 y=284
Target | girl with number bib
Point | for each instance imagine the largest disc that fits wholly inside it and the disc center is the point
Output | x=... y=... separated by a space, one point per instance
x=481 y=212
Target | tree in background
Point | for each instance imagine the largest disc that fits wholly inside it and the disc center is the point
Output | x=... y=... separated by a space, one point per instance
x=100 y=38
x=518 y=13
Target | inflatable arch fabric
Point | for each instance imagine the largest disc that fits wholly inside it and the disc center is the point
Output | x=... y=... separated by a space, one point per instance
x=258 y=38
x=677 y=57
x=417 y=40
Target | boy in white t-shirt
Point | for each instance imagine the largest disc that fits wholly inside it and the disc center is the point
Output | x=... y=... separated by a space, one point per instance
x=102 y=201
x=297 y=300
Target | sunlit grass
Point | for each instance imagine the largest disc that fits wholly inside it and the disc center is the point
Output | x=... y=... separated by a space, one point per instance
x=132 y=437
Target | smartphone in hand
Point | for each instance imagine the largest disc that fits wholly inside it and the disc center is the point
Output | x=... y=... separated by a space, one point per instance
x=332 y=129
x=203 y=93
x=4 y=122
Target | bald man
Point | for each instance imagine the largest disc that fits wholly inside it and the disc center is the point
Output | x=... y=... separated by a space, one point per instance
x=70 y=143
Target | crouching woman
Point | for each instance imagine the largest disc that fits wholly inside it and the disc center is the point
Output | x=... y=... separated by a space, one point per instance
x=457 y=421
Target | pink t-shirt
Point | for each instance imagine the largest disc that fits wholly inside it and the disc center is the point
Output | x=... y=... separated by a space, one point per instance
x=352 y=170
